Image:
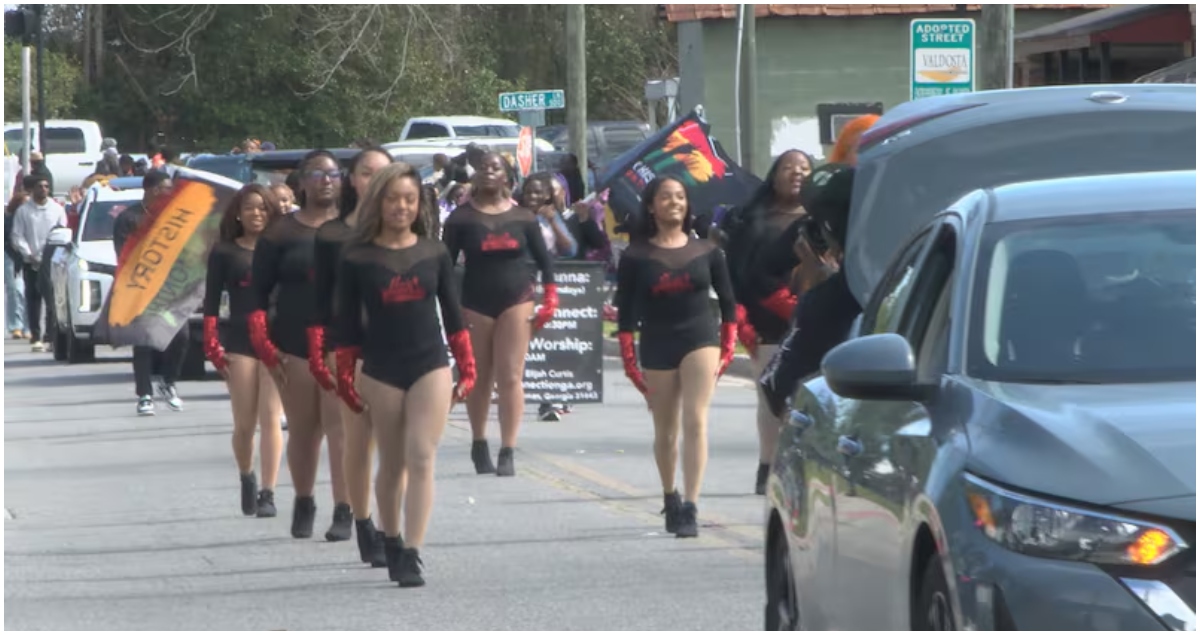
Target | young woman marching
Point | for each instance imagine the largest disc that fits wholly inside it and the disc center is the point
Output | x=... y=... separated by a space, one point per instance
x=498 y=237
x=252 y=393
x=761 y=248
x=395 y=275
x=357 y=460
x=663 y=284
x=283 y=266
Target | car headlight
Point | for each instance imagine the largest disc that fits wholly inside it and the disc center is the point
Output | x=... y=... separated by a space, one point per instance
x=1052 y=530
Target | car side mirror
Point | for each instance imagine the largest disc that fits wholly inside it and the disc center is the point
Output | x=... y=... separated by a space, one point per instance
x=875 y=367
x=59 y=237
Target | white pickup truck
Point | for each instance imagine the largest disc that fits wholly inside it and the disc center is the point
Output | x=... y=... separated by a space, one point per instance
x=72 y=149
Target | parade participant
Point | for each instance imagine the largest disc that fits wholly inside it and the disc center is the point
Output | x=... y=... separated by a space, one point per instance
x=760 y=239
x=498 y=238
x=663 y=284
x=283 y=266
x=398 y=274
x=253 y=395
x=155 y=184
x=330 y=240
x=827 y=311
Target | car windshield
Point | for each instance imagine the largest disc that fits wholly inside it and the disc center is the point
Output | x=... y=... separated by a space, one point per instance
x=1097 y=299
x=100 y=217
x=488 y=131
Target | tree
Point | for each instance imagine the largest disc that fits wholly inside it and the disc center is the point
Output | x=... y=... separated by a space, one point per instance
x=62 y=82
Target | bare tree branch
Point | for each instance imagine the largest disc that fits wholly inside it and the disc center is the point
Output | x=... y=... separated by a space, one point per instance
x=197 y=18
x=372 y=11
x=386 y=95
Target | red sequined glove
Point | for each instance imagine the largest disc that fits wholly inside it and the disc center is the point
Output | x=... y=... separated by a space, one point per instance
x=781 y=303
x=630 y=360
x=545 y=312
x=261 y=341
x=213 y=350
x=745 y=331
x=464 y=358
x=316 y=358
x=728 y=345
x=346 y=359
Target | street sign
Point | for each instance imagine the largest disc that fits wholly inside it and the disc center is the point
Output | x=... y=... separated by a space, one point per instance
x=525 y=151
x=942 y=57
x=533 y=100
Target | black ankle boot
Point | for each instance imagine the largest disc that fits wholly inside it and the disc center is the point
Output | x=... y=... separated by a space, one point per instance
x=482 y=456
x=760 y=481
x=505 y=466
x=365 y=533
x=688 y=527
x=249 y=493
x=342 y=522
x=304 y=512
x=266 y=504
x=393 y=549
x=378 y=556
x=410 y=569
x=671 y=508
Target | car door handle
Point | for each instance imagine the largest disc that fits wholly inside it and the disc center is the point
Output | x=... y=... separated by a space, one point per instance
x=849 y=446
x=799 y=420
x=87 y=164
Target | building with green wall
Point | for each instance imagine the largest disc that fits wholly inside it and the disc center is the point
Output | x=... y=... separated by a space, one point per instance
x=810 y=55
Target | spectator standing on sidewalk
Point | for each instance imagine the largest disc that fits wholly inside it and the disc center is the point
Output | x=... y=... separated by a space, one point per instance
x=14 y=285
x=31 y=230
x=154 y=185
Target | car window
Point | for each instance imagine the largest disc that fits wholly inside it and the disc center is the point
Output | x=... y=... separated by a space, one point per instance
x=487 y=131
x=932 y=355
x=881 y=315
x=15 y=140
x=64 y=141
x=1093 y=299
x=100 y=218
x=232 y=167
x=427 y=131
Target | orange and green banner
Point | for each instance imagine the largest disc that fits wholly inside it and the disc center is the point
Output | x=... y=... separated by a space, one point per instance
x=159 y=282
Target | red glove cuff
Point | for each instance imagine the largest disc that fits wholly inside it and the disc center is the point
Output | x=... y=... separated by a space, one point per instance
x=629 y=359
x=464 y=358
x=729 y=333
x=261 y=341
x=782 y=303
x=346 y=359
x=316 y=357
x=213 y=350
x=545 y=312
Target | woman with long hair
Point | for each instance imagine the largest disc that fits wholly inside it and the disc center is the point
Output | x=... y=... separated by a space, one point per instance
x=760 y=240
x=663 y=284
x=395 y=274
x=498 y=237
x=330 y=239
x=283 y=274
x=252 y=394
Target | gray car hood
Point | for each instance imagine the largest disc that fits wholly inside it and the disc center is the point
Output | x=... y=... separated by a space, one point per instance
x=1112 y=445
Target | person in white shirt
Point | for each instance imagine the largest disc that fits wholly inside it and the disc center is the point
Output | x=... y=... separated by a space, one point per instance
x=31 y=229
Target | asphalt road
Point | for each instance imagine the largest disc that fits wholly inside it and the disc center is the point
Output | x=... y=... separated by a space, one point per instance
x=119 y=522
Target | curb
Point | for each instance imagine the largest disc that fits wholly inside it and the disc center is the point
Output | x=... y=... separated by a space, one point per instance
x=742 y=365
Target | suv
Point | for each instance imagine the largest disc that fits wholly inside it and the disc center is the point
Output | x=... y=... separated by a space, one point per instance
x=265 y=168
x=607 y=140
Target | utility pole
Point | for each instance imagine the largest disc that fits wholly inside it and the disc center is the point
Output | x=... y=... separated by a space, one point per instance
x=577 y=85
x=26 y=108
x=749 y=93
x=40 y=12
x=995 y=61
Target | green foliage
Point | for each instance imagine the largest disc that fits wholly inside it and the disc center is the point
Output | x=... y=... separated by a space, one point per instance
x=62 y=83
x=205 y=77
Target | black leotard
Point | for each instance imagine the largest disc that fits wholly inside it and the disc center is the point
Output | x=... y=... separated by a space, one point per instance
x=283 y=265
x=399 y=291
x=770 y=270
x=666 y=292
x=497 y=275
x=330 y=239
x=229 y=271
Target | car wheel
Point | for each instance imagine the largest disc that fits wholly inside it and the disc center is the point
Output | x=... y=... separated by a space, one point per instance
x=934 y=611
x=79 y=352
x=782 y=614
x=60 y=344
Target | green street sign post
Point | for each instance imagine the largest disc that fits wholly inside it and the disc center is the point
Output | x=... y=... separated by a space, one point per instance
x=533 y=100
x=942 y=57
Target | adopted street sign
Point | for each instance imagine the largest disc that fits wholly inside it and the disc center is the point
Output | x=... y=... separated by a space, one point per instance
x=533 y=100
x=942 y=57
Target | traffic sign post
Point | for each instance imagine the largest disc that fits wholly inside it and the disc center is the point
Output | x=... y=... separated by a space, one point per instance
x=533 y=100
x=942 y=57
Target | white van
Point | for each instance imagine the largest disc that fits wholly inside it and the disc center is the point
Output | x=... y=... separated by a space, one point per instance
x=459 y=127
x=72 y=149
